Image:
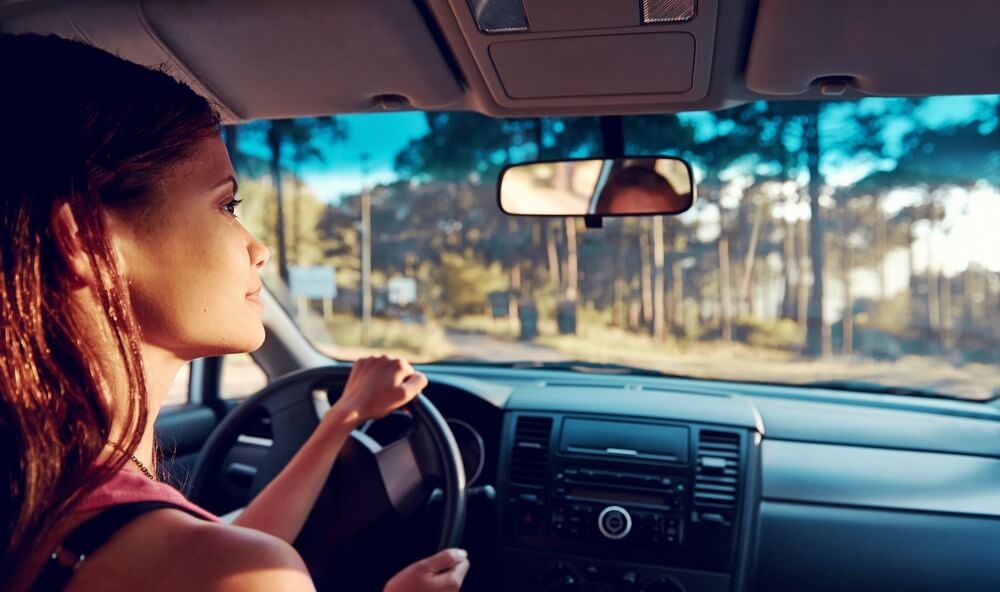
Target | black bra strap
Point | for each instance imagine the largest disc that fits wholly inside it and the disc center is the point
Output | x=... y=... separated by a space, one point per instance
x=87 y=538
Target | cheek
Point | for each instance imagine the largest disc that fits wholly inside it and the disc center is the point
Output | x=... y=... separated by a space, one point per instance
x=184 y=281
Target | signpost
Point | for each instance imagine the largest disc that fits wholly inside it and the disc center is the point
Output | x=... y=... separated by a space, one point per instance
x=313 y=283
x=402 y=291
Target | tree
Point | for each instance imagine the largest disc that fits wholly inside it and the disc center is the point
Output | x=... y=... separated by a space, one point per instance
x=292 y=143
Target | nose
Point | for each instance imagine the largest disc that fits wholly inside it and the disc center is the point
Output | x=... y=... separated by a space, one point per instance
x=259 y=253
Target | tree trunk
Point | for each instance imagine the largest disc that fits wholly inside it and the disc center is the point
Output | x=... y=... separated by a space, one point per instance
x=946 y=317
x=659 y=280
x=790 y=294
x=274 y=143
x=514 y=304
x=881 y=249
x=751 y=256
x=571 y=260
x=552 y=250
x=618 y=308
x=677 y=289
x=725 y=296
x=933 y=294
x=847 y=347
x=645 y=276
x=296 y=243
x=802 y=305
x=815 y=326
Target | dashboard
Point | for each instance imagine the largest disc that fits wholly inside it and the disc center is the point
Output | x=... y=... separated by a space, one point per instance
x=618 y=483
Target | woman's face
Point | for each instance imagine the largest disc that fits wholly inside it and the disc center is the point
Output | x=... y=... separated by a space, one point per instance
x=191 y=266
x=639 y=200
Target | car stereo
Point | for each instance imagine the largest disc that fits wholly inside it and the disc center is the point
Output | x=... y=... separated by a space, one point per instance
x=644 y=492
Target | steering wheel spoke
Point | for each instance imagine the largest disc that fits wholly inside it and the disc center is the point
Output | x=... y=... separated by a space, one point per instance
x=402 y=477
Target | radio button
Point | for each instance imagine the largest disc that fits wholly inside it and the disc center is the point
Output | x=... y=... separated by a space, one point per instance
x=614 y=522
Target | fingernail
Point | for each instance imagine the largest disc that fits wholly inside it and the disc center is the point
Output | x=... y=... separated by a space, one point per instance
x=459 y=553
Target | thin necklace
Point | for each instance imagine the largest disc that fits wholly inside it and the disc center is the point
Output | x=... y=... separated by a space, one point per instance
x=143 y=468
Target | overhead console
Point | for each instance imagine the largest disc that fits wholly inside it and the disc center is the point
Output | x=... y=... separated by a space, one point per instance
x=535 y=54
x=629 y=502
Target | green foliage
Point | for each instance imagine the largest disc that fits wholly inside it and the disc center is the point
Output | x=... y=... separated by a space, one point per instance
x=467 y=283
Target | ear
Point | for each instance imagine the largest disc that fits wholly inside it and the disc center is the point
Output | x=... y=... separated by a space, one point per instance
x=66 y=234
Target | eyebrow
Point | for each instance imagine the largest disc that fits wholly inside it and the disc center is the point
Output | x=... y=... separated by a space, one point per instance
x=229 y=179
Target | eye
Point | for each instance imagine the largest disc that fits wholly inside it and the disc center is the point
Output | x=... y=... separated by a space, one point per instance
x=231 y=205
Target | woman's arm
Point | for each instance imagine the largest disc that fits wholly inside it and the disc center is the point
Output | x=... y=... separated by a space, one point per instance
x=375 y=387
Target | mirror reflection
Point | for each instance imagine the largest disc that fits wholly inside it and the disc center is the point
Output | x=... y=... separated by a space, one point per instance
x=604 y=187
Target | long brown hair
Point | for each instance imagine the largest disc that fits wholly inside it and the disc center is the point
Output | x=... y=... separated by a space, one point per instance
x=83 y=127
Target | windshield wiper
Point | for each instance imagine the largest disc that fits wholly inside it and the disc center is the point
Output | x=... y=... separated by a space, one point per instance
x=864 y=386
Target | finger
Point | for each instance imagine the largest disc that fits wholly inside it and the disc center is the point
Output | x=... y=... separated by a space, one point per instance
x=400 y=370
x=416 y=381
x=451 y=579
x=443 y=561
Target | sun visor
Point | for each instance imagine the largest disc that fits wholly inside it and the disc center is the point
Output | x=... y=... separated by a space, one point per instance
x=890 y=47
x=261 y=59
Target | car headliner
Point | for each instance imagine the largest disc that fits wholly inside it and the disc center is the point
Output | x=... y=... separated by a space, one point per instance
x=266 y=59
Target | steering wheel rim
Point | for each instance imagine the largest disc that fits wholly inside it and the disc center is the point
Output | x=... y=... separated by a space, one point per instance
x=289 y=403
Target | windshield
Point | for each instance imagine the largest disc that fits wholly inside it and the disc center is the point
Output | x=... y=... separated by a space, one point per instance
x=828 y=241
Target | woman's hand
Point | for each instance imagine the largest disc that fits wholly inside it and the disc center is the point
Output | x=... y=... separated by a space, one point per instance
x=378 y=385
x=443 y=572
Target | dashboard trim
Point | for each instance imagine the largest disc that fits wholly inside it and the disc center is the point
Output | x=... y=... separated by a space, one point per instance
x=853 y=476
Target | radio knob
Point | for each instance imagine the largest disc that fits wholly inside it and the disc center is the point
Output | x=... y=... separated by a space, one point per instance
x=614 y=522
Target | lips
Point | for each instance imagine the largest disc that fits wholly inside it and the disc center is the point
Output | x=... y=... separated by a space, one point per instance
x=254 y=296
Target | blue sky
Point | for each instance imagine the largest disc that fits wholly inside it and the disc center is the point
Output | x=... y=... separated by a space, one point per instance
x=382 y=135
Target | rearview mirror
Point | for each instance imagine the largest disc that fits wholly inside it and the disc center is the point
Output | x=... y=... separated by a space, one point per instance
x=629 y=186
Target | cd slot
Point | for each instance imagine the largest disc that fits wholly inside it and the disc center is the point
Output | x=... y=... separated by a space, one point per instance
x=603 y=486
x=617 y=497
x=618 y=479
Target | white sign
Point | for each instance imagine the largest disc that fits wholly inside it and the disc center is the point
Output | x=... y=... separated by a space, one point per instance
x=402 y=291
x=314 y=283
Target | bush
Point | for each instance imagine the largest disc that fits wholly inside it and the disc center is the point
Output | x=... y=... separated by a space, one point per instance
x=784 y=334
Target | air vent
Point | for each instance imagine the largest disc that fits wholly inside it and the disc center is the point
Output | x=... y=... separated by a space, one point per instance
x=718 y=472
x=530 y=459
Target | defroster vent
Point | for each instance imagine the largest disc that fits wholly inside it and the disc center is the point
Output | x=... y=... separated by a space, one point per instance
x=717 y=475
x=530 y=458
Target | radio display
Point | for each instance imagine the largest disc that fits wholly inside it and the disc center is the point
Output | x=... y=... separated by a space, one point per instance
x=622 y=497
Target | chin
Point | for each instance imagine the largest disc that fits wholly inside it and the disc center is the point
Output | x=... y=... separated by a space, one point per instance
x=249 y=342
x=242 y=342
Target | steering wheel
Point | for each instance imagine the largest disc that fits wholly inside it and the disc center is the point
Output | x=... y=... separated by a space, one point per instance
x=380 y=503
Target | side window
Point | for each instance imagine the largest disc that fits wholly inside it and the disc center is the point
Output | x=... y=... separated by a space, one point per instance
x=179 y=392
x=241 y=377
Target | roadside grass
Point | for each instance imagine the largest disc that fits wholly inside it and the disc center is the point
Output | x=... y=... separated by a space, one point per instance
x=736 y=361
x=499 y=328
x=417 y=342
x=709 y=359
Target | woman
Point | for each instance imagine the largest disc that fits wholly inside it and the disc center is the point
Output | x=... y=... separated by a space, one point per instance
x=121 y=258
x=639 y=189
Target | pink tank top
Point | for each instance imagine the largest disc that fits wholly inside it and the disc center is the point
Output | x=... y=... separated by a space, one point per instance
x=129 y=486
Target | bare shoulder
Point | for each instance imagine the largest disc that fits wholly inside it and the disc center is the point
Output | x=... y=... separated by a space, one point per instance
x=170 y=550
